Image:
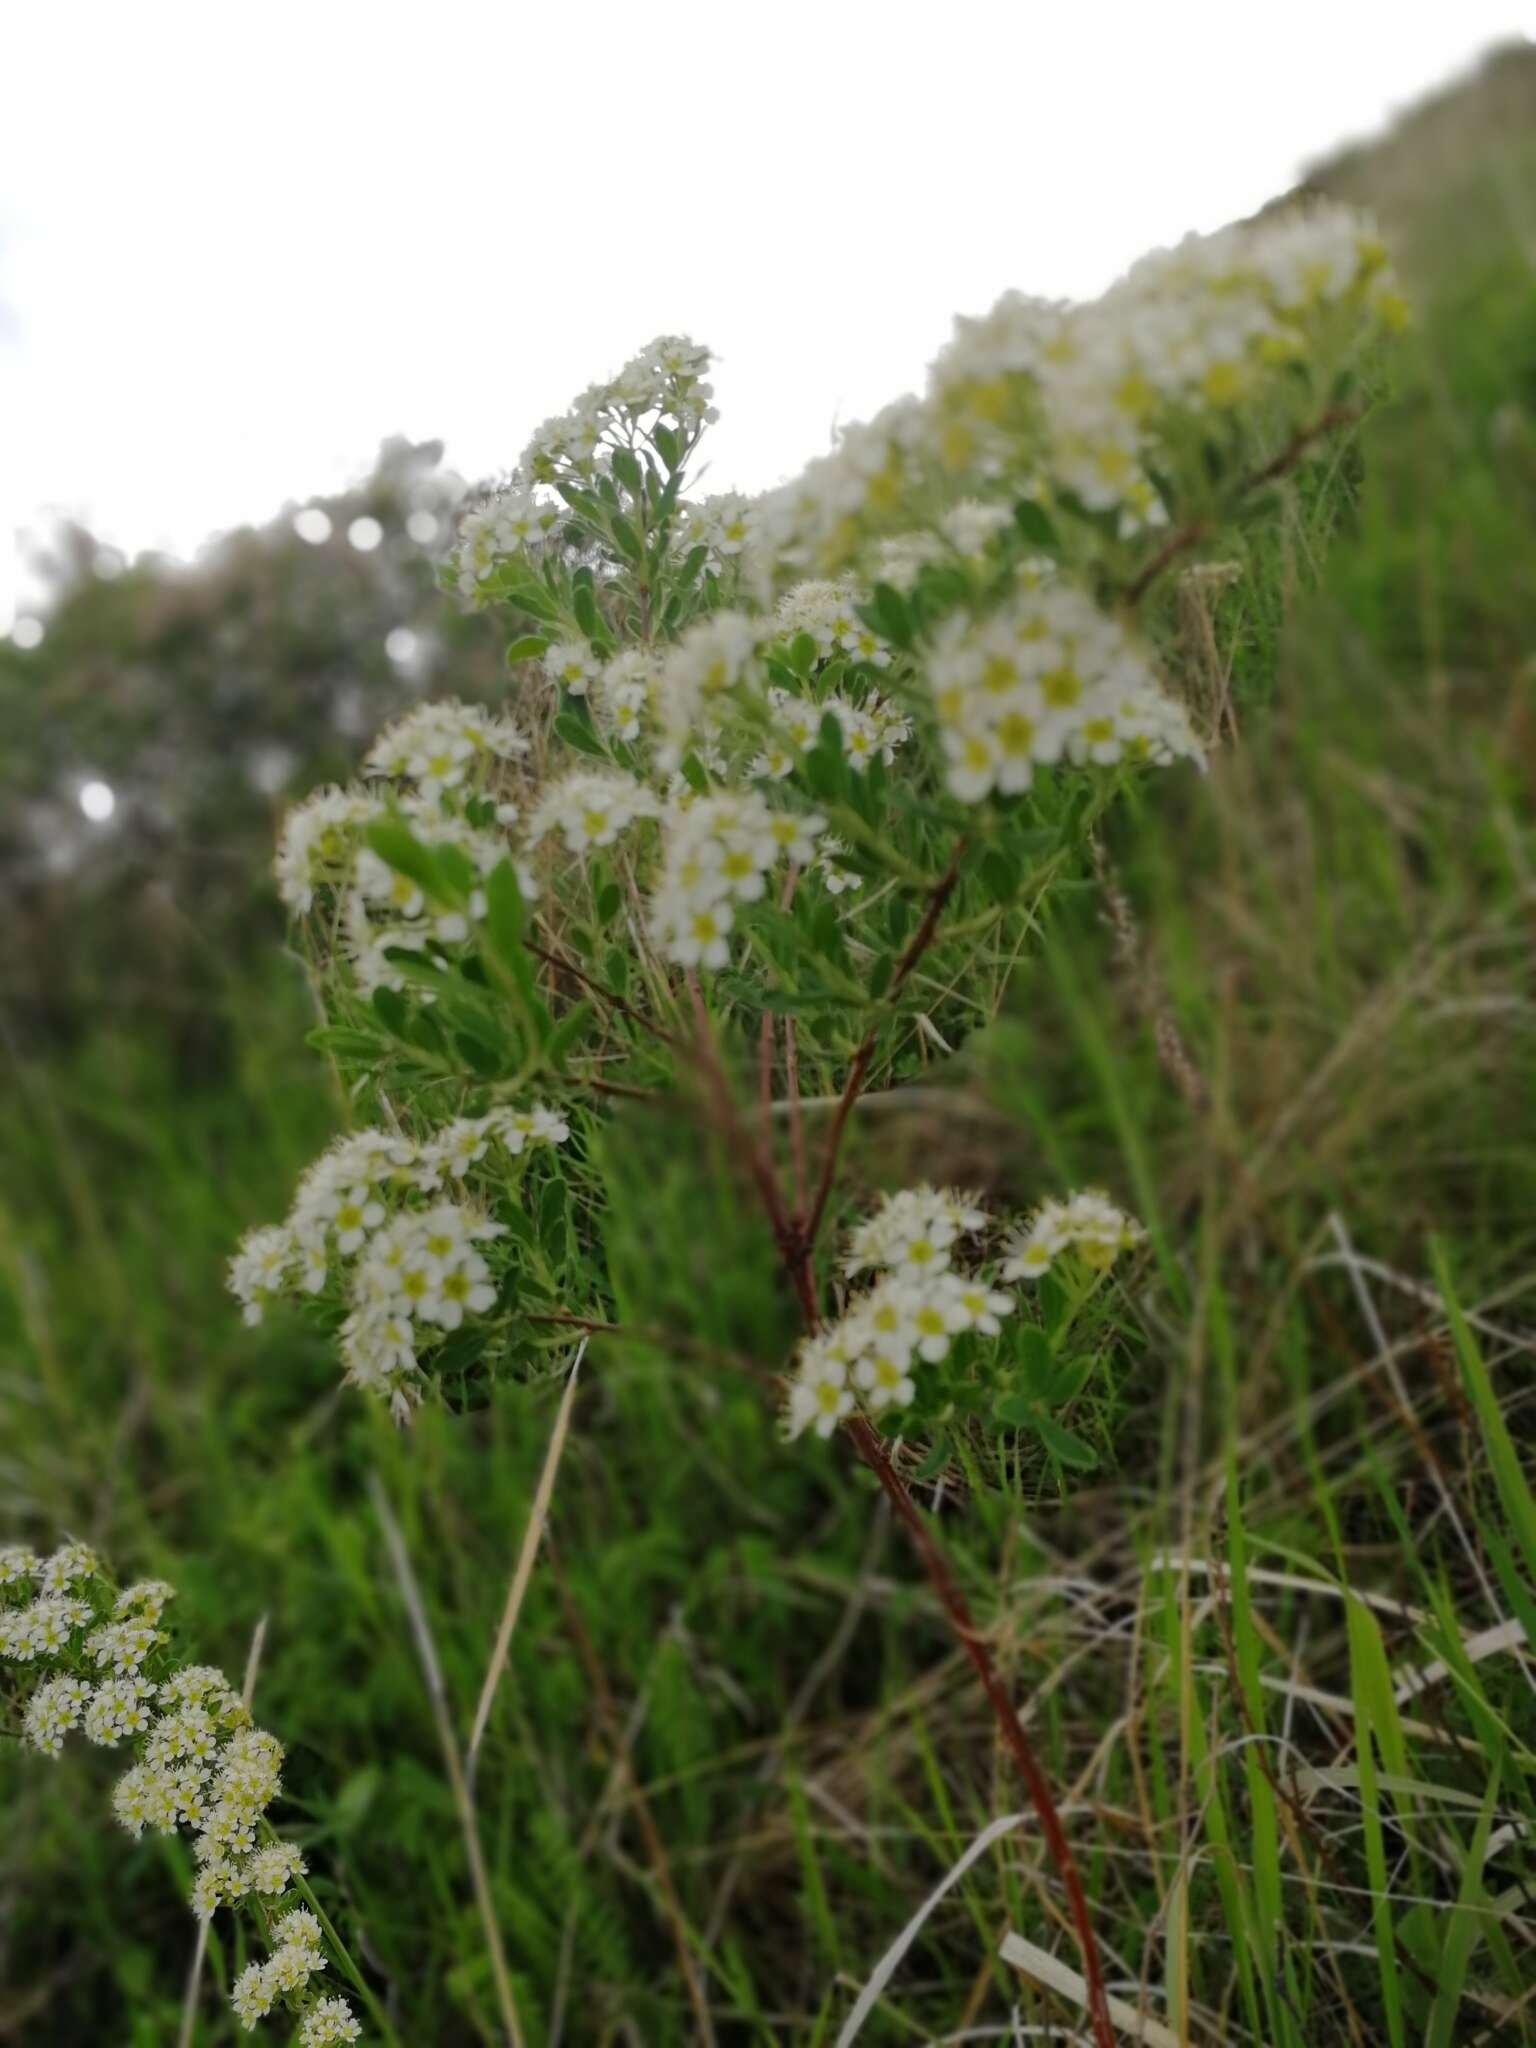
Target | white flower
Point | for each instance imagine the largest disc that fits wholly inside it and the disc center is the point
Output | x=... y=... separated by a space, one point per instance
x=911 y=1233
x=973 y=1304
x=969 y=525
x=328 y=2022
x=518 y=1128
x=571 y=665
x=17 y=1563
x=590 y=808
x=319 y=843
x=712 y=657
x=626 y=692
x=1087 y=1222
x=718 y=851
x=819 y=1395
x=438 y=746
x=272 y=1868
x=254 y=1994
x=886 y=1378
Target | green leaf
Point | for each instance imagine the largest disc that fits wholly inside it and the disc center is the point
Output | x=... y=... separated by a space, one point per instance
x=627 y=470
x=398 y=847
x=1035 y=524
x=1017 y=1410
x=803 y=653
x=584 y=605
x=503 y=910
x=1037 y=1362
x=626 y=537
x=577 y=732
x=610 y=901
x=567 y=1031
x=1468 y=1924
x=390 y=1009
x=528 y=648
x=667 y=446
x=345 y=1044
x=934 y=1460
x=887 y=614
x=530 y=596
x=1508 y=1473
x=1065 y=1444
x=1001 y=875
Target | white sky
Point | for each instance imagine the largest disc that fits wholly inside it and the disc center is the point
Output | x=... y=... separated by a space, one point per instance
x=239 y=245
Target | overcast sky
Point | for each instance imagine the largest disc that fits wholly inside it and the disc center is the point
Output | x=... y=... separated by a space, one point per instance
x=239 y=245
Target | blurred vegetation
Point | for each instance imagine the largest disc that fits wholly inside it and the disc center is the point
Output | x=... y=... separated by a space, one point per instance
x=1293 y=1026
x=206 y=696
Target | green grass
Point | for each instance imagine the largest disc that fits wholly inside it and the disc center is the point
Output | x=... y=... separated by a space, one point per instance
x=1330 y=1427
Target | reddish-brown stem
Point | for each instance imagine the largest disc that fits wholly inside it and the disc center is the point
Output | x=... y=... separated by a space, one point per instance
x=1183 y=538
x=796 y=1238
x=916 y=946
x=765 y=1062
x=605 y=995
x=869 y=1447
x=796 y=1124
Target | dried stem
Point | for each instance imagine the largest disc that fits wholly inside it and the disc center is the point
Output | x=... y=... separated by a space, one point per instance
x=463 y=1803
x=522 y=1572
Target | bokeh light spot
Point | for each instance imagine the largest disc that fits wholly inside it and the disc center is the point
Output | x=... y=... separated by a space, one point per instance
x=400 y=643
x=312 y=525
x=28 y=633
x=97 y=801
x=365 y=534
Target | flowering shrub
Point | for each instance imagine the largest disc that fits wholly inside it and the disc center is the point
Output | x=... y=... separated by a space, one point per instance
x=79 y=1653
x=771 y=771
x=921 y=1309
x=772 y=742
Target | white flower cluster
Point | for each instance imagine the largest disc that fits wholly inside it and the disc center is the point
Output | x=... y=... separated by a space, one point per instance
x=328 y=2021
x=871 y=728
x=719 y=851
x=590 y=808
x=297 y=1955
x=1073 y=398
x=919 y=1303
x=721 y=525
x=439 y=746
x=513 y=521
x=395 y=1222
x=712 y=658
x=200 y=1763
x=913 y=1313
x=1047 y=676
x=626 y=691
x=829 y=613
x=1088 y=1223
x=663 y=383
x=439 y=756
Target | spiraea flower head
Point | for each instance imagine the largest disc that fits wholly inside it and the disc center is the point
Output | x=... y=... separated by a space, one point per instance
x=1087 y=1223
x=92 y=1658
